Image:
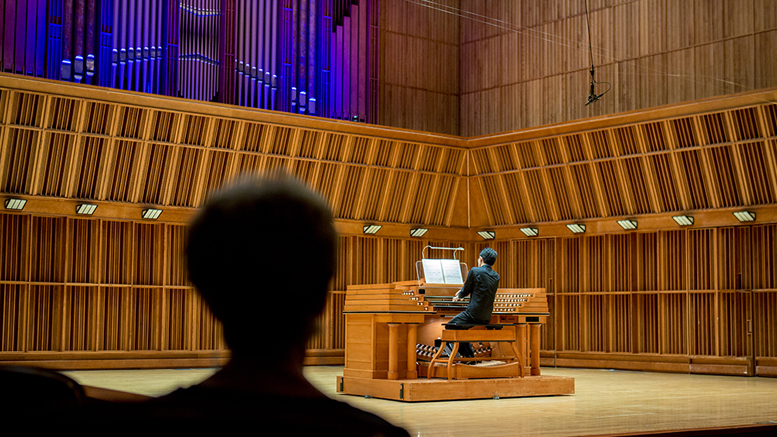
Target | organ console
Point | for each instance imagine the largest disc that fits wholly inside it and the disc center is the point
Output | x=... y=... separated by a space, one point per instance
x=416 y=312
x=393 y=331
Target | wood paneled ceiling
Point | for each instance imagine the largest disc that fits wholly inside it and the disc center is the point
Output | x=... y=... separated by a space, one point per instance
x=716 y=154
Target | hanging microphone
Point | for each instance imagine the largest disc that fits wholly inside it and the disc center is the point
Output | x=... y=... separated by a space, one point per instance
x=595 y=97
x=592 y=97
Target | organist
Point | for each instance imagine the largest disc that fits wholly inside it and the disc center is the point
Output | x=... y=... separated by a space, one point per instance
x=481 y=285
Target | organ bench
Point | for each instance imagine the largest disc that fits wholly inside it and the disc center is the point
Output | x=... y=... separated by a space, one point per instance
x=479 y=333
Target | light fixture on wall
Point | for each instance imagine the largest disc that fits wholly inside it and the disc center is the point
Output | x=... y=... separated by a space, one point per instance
x=576 y=228
x=628 y=224
x=744 y=216
x=683 y=220
x=151 y=213
x=85 y=208
x=530 y=232
x=371 y=229
x=418 y=232
x=487 y=235
x=17 y=204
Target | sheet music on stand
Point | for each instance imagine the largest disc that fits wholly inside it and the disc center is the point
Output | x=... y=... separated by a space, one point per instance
x=442 y=271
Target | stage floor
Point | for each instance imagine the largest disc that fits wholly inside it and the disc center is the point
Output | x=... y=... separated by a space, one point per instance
x=605 y=402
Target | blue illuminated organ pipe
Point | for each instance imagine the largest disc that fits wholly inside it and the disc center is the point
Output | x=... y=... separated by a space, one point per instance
x=54 y=55
x=66 y=66
x=316 y=57
x=199 y=58
x=104 y=57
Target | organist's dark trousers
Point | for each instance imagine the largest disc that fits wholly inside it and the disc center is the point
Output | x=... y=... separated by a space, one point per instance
x=465 y=349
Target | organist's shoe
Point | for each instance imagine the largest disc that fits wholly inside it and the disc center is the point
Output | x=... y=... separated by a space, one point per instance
x=447 y=352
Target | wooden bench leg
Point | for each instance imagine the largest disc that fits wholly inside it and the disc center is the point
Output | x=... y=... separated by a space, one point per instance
x=520 y=339
x=434 y=358
x=451 y=358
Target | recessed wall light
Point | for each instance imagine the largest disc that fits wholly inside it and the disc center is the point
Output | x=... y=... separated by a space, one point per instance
x=744 y=216
x=418 y=232
x=371 y=229
x=628 y=224
x=576 y=228
x=151 y=213
x=487 y=235
x=530 y=232
x=17 y=204
x=683 y=220
x=85 y=208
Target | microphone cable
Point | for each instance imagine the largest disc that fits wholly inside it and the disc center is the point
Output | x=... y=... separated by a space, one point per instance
x=593 y=97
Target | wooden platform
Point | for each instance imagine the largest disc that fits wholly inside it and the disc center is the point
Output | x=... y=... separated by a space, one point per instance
x=423 y=390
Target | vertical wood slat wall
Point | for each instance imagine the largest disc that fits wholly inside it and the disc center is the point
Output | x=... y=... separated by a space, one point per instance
x=89 y=285
x=527 y=63
x=93 y=286
x=664 y=300
x=686 y=298
x=111 y=291
x=608 y=309
x=419 y=67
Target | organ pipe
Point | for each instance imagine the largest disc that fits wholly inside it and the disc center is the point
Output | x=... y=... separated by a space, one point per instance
x=305 y=56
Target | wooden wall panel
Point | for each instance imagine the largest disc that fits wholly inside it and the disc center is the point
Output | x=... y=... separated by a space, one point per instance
x=98 y=286
x=15 y=247
x=159 y=157
x=765 y=325
x=713 y=160
x=419 y=66
x=653 y=52
x=17 y=175
x=42 y=315
x=600 y=304
x=661 y=295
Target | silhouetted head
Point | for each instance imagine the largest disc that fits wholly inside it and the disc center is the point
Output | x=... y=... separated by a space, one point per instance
x=489 y=256
x=262 y=252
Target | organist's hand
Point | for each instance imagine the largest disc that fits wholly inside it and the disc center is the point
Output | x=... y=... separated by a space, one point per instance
x=456 y=298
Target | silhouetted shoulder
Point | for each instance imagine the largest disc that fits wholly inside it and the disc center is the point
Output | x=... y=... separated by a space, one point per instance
x=196 y=409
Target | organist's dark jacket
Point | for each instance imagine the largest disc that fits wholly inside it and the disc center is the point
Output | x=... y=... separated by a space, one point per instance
x=481 y=285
